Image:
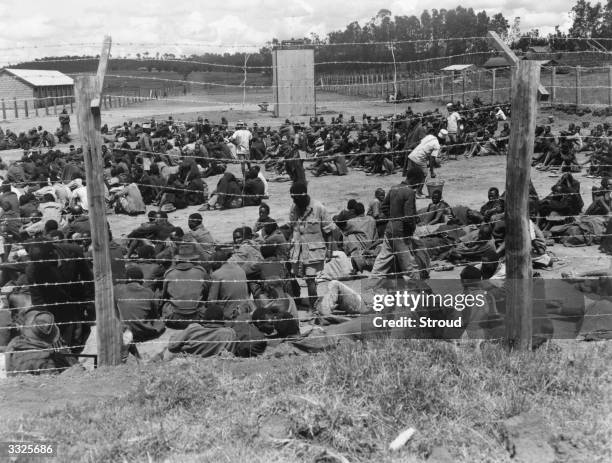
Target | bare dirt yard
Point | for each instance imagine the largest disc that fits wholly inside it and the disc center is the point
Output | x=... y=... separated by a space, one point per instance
x=346 y=405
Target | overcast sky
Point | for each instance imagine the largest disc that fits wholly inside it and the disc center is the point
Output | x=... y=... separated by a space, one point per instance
x=168 y=25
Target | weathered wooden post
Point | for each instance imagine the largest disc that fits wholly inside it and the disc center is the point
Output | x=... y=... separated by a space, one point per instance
x=88 y=91
x=519 y=279
x=578 y=86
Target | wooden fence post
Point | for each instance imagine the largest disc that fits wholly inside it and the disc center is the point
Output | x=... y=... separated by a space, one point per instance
x=553 y=84
x=25 y=108
x=3 y=110
x=15 y=105
x=519 y=280
x=493 y=86
x=88 y=91
x=578 y=86
x=609 y=85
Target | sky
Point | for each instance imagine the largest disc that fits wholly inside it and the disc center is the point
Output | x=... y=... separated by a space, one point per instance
x=37 y=28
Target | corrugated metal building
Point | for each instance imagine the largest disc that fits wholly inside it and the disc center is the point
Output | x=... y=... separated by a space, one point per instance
x=39 y=88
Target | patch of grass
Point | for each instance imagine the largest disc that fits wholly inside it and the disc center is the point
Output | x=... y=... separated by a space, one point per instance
x=353 y=401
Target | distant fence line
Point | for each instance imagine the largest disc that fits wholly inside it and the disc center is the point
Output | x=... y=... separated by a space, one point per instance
x=23 y=108
x=580 y=86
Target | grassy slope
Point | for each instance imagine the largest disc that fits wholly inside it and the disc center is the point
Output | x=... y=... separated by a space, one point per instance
x=352 y=401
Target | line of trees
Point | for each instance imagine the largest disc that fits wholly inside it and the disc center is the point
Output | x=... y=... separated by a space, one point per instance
x=403 y=38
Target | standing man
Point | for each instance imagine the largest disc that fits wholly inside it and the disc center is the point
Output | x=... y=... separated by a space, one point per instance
x=64 y=120
x=453 y=125
x=242 y=139
x=312 y=230
x=426 y=154
x=397 y=246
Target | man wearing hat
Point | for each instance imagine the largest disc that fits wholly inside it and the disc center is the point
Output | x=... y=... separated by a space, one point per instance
x=185 y=289
x=426 y=154
x=38 y=348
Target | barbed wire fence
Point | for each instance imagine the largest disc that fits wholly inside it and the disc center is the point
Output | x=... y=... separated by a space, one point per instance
x=355 y=87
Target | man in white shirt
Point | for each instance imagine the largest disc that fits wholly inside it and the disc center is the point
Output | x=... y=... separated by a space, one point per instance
x=453 y=125
x=242 y=139
x=499 y=114
x=425 y=155
x=79 y=194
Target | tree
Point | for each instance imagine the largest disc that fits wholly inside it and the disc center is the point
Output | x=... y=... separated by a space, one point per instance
x=500 y=25
x=586 y=19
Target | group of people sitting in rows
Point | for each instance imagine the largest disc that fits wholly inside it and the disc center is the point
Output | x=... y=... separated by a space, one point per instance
x=37 y=137
x=231 y=295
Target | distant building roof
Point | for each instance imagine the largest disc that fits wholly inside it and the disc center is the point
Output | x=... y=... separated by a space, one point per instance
x=538 y=49
x=40 y=78
x=457 y=67
x=496 y=62
x=543 y=62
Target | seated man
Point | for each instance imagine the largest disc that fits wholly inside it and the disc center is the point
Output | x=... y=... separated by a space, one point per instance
x=254 y=189
x=39 y=347
x=495 y=205
x=228 y=287
x=137 y=305
x=185 y=289
x=602 y=198
x=128 y=200
x=437 y=212
x=247 y=253
x=199 y=234
x=208 y=338
x=340 y=297
x=154 y=232
x=152 y=270
x=565 y=199
x=228 y=194
x=374 y=210
x=264 y=217
x=471 y=249
x=348 y=213
x=359 y=232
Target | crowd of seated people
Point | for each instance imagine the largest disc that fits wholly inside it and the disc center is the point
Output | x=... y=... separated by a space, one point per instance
x=230 y=295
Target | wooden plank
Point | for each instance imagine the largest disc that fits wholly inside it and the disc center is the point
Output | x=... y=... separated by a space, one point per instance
x=504 y=49
x=108 y=325
x=519 y=282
